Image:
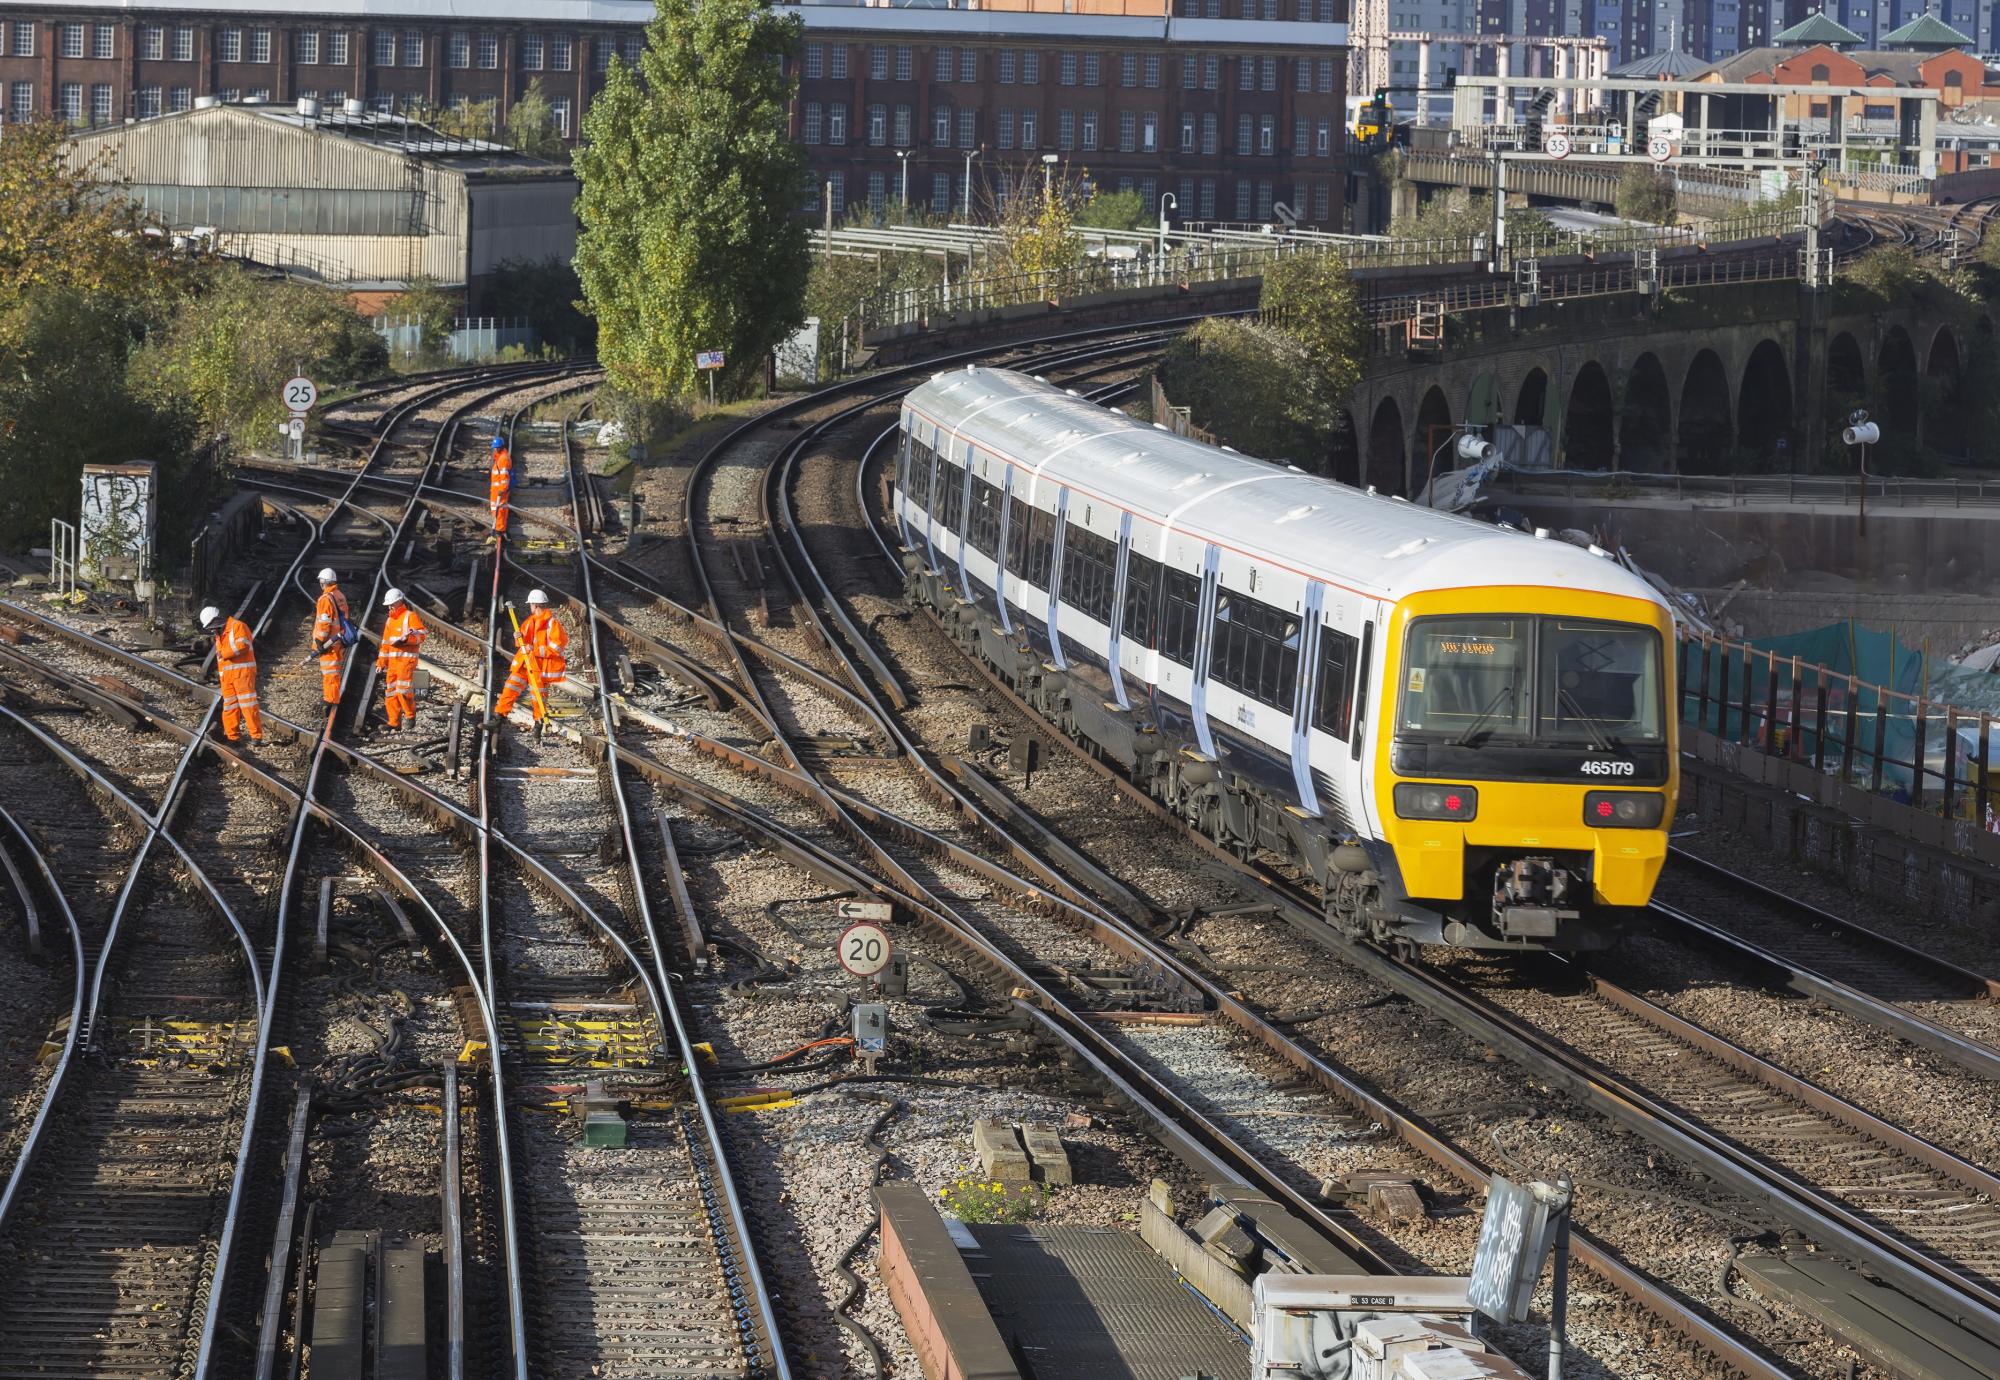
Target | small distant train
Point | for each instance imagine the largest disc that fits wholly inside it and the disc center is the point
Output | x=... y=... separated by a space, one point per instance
x=1461 y=733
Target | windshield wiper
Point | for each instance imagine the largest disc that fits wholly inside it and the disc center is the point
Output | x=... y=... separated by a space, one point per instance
x=1465 y=739
x=1598 y=738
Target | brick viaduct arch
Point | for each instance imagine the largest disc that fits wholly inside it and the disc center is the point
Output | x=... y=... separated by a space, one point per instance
x=1716 y=400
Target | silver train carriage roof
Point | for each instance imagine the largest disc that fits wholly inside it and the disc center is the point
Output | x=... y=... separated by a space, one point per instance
x=1383 y=547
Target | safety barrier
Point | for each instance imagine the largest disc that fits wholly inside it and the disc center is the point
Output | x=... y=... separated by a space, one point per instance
x=230 y=530
x=1774 y=490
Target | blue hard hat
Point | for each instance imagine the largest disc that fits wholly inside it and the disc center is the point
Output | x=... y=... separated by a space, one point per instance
x=499 y=443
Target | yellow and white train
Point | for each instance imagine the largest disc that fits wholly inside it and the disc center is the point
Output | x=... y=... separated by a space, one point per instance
x=1463 y=733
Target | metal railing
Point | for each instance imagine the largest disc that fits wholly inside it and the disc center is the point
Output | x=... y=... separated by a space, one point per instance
x=1931 y=756
x=63 y=554
x=1777 y=490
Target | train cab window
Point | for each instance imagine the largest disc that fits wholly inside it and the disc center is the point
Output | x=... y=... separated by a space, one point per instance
x=1180 y=614
x=982 y=529
x=1467 y=676
x=1256 y=649
x=1541 y=680
x=1090 y=567
x=1041 y=553
x=1333 y=706
x=1142 y=578
x=1597 y=681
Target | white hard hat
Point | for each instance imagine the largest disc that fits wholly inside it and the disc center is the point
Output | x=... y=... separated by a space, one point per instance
x=535 y=596
x=393 y=597
x=209 y=615
x=327 y=577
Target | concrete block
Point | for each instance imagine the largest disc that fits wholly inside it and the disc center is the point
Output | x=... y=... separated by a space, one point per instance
x=1000 y=1154
x=1050 y=1160
x=1224 y=1237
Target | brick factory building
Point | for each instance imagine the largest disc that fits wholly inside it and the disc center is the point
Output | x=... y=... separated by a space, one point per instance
x=1231 y=106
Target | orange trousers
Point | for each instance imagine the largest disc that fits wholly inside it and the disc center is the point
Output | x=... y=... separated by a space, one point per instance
x=517 y=686
x=239 y=704
x=399 y=689
x=329 y=674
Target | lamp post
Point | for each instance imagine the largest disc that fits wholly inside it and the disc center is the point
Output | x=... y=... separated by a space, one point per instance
x=903 y=157
x=1048 y=177
x=1469 y=448
x=965 y=206
x=1168 y=202
x=1861 y=434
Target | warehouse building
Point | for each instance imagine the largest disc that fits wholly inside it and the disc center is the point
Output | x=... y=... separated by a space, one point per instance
x=362 y=201
x=1231 y=106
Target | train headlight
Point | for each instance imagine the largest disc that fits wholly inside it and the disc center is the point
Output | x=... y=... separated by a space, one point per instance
x=1623 y=809
x=1420 y=800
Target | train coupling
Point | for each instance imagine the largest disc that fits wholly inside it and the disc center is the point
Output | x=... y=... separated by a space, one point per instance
x=1532 y=898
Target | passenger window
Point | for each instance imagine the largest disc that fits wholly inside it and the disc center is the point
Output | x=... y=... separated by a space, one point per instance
x=1333 y=705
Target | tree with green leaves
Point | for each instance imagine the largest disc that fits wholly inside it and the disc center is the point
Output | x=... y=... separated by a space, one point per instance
x=531 y=125
x=1648 y=194
x=1115 y=211
x=1309 y=296
x=1038 y=228
x=691 y=185
x=1240 y=380
x=58 y=228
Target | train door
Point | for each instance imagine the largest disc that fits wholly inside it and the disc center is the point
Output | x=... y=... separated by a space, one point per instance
x=930 y=503
x=1116 y=646
x=1302 y=700
x=1211 y=581
x=961 y=521
x=904 y=462
x=1000 y=549
x=1362 y=730
x=1055 y=581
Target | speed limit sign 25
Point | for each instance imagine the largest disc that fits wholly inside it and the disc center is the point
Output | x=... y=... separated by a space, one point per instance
x=863 y=949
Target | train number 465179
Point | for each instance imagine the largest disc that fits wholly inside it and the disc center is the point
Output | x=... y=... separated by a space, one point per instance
x=1609 y=769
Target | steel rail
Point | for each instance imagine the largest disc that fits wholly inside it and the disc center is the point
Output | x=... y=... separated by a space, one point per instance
x=17 y=1175
x=684 y=1042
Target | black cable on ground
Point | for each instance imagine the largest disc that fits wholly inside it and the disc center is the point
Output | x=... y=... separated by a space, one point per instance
x=879 y=1153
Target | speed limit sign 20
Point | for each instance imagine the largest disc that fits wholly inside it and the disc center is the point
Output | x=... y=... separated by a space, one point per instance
x=863 y=949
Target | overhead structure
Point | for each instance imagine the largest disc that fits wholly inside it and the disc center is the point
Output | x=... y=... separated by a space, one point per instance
x=1371 y=40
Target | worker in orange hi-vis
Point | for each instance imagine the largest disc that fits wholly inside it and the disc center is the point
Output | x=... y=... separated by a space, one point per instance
x=541 y=659
x=402 y=634
x=332 y=635
x=501 y=483
x=236 y=665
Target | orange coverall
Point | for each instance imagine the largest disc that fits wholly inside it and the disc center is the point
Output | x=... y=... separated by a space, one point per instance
x=498 y=486
x=236 y=665
x=332 y=607
x=543 y=638
x=402 y=634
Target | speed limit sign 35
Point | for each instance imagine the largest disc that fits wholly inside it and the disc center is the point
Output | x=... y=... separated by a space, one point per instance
x=1659 y=149
x=863 y=949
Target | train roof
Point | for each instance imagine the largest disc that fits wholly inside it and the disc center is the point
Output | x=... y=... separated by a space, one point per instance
x=1385 y=547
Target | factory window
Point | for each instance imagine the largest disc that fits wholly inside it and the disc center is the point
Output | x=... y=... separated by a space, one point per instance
x=1128 y=70
x=152 y=42
x=1149 y=192
x=1302 y=74
x=562 y=53
x=878 y=62
x=815 y=60
x=906 y=62
x=837 y=62
x=878 y=125
x=836 y=194
x=1210 y=137
x=229 y=45
x=1323 y=138
x=100 y=103
x=1187 y=131
x=180 y=98
x=259 y=94
x=260 y=45
x=1242 y=199
x=1211 y=72
x=1821 y=72
x=1184 y=203
x=532 y=55
x=982 y=526
x=944 y=65
x=1270 y=9
x=1179 y=615
x=1246 y=74
x=305 y=47
x=278 y=210
x=385 y=48
x=1325 y=79
x=968 y=64
x=1028 y=139
x=104 y=43
x=337 y=48
x=1301 y=136
x=1256 y=649
x=21 y=102
x=458 y=50
x=1333 y=703
x=1190 y=71
x=1267 y=134
x=1270 y=74
x=559 y=111
x=71 y=40
x=809 y=122
x=1263 y=200
x=69 y=102
x=941 y=127
x=148 y=103
x=1128 y=131
x=1066 y=72
x=1092 y=74
x=1006 y=65
x=24 y=41
x=1243 y=134
x=902 y=134
x=1089 y=573
x=1031 y=68
x=1321 y=207
x=382 y=103
x=1090 y=130
x=489 y=51
x=1153 y=70
x=877 y=191
x=413 y=48
x=630 y=47
x=836 y=124
x=940 y=194
x=968 y=127
x=1003 y=128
